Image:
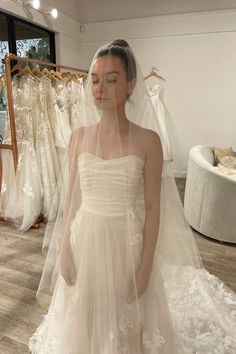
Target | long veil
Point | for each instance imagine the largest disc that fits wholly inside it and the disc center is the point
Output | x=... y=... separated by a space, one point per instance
x=196 y=310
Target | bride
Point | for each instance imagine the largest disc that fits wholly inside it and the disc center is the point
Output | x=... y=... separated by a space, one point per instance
x=121 y=263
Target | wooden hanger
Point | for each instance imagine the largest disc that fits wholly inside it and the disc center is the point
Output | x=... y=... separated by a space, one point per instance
x=24 y=71
x=47 y=73
x=154 y=73
x=28 y=71
x=56 y=75
x=37 y=71
x=16 y=67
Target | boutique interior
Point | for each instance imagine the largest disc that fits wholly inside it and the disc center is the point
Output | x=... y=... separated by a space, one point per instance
x=187 y=53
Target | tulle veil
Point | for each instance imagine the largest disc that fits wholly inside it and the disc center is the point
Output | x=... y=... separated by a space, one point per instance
x=177 y=260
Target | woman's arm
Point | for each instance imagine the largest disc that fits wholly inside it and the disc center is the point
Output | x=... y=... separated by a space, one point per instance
x=68 y=270
x=152 y=196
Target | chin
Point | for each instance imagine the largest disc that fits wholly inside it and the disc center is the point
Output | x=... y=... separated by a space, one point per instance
x=106 y=107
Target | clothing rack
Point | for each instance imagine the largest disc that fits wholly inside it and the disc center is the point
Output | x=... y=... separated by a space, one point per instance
x=10 y=101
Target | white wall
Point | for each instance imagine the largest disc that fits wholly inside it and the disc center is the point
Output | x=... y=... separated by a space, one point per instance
x=67 y=31
x=196 y=53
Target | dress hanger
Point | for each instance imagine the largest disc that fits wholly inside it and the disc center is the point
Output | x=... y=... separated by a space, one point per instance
x=28 y=71
x=154 y=73
x=48 y=74
x=56 y=75
x=37 y=71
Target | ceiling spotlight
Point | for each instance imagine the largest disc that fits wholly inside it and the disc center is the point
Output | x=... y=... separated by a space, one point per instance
x=33 y=3
x=53 y=13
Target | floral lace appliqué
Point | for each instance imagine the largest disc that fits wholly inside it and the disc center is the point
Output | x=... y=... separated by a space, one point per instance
x=153 y=343
x=137 y=238
x=28 y=190
x=125 y=323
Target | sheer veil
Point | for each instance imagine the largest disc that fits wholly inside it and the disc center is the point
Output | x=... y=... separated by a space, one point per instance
x=177 y=263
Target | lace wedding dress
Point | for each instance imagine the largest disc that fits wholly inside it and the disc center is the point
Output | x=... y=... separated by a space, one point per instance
x=94 y=317
x=21 y=193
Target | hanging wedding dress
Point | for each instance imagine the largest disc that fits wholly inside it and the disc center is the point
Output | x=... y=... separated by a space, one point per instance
x=59 y=97
x=21 y=193
x=76 y=96
x=45 y=149
x=156 y=93
x=43 y=111
x=100 y=230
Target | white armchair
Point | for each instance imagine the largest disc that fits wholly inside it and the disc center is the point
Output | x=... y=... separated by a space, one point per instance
x=210 y=197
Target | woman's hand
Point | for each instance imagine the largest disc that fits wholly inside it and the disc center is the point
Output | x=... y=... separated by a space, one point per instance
x=68 y=269
x=142 y=276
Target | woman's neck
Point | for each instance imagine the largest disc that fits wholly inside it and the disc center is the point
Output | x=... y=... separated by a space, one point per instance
x=111 y=121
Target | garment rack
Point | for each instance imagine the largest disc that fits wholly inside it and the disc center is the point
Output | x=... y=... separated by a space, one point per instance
x=10 y=101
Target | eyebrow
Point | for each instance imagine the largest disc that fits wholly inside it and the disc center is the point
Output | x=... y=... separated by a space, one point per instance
x=108 y=73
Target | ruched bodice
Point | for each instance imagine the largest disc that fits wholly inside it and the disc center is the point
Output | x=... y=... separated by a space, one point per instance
x=109 y=187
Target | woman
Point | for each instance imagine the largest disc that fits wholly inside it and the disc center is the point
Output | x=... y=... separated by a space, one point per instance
x=126 y=271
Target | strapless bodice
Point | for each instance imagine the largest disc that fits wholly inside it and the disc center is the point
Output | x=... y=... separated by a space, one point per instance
x=110 y=187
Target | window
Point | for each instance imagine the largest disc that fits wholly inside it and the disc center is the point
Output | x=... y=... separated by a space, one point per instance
x=23 y=39
x=4 y=48
x=32 y=42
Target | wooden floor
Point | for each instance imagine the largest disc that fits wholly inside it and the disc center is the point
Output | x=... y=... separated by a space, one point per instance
x=21 y=264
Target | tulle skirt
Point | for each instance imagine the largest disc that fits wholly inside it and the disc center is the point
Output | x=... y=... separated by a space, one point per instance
x=94 y=316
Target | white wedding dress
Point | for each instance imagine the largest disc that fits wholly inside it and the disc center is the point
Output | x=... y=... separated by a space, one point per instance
x=156 y=93
x=21 y=195
x=93 y=316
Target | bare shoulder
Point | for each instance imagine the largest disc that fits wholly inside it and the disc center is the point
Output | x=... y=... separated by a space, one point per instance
x=149 y=140
x=82 y=131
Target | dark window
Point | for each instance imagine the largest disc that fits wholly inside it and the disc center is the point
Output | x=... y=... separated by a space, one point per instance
x=4 y=47
x=31 y=42
x=23 y=39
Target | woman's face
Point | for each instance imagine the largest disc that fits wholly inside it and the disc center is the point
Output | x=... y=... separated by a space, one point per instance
x=110 y=86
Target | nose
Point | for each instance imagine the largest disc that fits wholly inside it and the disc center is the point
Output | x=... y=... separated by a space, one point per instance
x=101 y=88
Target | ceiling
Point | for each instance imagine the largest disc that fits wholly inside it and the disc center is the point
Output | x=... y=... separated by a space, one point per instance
x=87 y=11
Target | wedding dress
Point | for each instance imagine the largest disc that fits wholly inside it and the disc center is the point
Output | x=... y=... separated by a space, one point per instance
x=156 y=92
x=59 y=118
x=45 y=149
x=76 y=96
x=21 y=195
x=43 y=130
x=102 y=219
x=93 y=316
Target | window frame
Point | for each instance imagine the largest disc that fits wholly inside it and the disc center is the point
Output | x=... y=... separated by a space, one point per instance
x=11 y=20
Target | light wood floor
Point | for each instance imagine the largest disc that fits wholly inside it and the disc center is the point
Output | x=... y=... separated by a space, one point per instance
x=21 y=264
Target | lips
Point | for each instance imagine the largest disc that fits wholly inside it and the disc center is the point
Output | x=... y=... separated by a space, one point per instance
x=102 y=99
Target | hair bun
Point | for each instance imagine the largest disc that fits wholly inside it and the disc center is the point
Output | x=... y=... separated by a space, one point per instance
x=120 y=43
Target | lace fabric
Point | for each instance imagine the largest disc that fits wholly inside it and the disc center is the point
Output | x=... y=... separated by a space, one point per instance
x=43 y=129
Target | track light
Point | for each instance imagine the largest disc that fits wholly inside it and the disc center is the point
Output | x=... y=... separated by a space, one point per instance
x=53 y=13
x=32 y=3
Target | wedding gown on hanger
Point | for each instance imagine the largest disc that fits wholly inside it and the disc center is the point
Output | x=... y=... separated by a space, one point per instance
x=45 y=149
x=21 y=195
x=156 y=92
x=59 y=113
x=76 y=96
